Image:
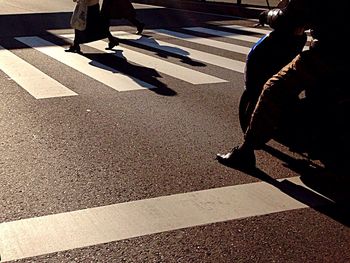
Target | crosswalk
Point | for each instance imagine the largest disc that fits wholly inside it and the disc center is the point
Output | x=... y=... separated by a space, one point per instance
x=41 y=86
x=185 y=52
x=114 y=222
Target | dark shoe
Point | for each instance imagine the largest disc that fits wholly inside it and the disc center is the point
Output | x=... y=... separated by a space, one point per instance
x=74 y=49
x=113 y=43
x=238 y=158
x=140 y=28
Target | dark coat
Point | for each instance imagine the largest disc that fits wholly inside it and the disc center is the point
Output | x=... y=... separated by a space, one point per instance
x=117 y=9
x=96 y=27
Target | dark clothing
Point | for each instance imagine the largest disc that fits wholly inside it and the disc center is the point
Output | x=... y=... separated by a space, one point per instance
x=319 y=71
x=121 y=9
x=320 y=77
x=96 y=27
x=118 y=9
x=326 y=19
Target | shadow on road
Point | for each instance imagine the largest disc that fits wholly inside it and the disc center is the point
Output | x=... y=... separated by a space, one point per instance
x=117 y=63
x=163 y=51
x=50 y=25
x=325 y=191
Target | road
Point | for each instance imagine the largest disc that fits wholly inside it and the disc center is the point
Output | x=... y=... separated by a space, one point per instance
x=109 y=156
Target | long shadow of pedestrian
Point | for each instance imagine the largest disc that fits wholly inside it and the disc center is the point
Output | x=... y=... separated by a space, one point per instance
x=323 y=192
x=144 y=76
x=163 y=51
x=327 y=181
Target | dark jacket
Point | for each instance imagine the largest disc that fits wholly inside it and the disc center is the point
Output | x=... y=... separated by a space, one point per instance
x=327 y=20
x=96 y=27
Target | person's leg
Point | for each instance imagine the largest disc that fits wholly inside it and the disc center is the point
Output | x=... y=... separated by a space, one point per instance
x=274 y=101
x=113 y=41
x=105 y=24
x=75 y=47
x=139 y=25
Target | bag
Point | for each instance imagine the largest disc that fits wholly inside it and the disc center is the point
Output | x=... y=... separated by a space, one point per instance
x=79 y=16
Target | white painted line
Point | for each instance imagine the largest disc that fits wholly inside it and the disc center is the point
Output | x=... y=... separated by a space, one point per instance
x=257 y=30
x=171 y=69
x=254 y=30
x=203 y=41
x=144 y=6
x=48 y=234
x=100 y=72
x=186 y=53
x=225 y=34
x=31 y=79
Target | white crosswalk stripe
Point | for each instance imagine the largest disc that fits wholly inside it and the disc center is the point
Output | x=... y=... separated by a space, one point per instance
x=171 y=69
x=114 y=222
x=253 y=30
x=104 y=224
x=257 y=30
x=204 y=41
x=185 y=52
x=120 y=82
x=224 y=34
x=104 y=74
x=31 y=78
x=42 y=86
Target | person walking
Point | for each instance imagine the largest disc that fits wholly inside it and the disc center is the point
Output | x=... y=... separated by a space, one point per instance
x=122 y=9
x=95 y=25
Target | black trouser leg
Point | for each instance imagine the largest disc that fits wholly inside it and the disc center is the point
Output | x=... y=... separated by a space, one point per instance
x=139 y=25
x=135 y=22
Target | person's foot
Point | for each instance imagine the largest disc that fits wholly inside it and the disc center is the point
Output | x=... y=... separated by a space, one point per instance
x=112 y=43
x=238 y=158
x=74 y=49
x=140 y=28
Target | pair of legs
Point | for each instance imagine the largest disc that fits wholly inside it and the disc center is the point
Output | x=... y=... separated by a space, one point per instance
x=75 y=47
x=278 y=96
x=97 y=27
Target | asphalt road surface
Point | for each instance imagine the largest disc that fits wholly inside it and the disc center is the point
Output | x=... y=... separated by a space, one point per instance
x=109 y=156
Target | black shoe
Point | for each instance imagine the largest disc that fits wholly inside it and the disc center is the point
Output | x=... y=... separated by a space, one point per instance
x=74 y=49
x=140 y=28
x=113 y=43
x=238 y=158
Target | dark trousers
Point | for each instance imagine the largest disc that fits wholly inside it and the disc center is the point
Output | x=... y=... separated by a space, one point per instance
x=320 y=75
x=96 y=27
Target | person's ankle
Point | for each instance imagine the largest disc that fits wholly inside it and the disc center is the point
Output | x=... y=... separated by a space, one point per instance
x=246 y=147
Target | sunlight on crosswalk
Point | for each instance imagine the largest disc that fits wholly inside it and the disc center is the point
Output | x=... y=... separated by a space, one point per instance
x=223 y=50
x=104 y=224
x=43 y=86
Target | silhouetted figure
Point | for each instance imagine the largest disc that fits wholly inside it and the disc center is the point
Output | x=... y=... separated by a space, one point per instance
x=97 y=27
x=324 y=60
x=122 y=9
